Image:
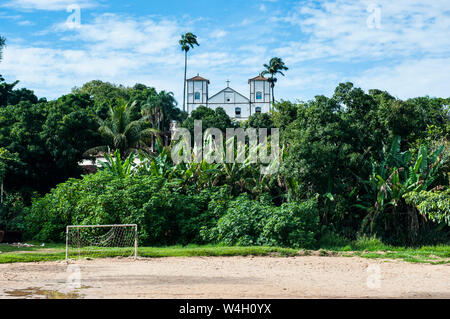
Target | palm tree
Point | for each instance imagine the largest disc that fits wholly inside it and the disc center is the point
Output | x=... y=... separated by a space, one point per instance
x=276 y=65
x=160 y=108
x=154 y=110
x=187 y=42
x=121 y=132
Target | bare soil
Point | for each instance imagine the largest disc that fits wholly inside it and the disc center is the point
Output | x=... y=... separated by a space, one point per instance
x=227 y=277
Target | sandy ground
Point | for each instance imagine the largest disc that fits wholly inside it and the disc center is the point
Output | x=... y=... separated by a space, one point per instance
x=227 y=277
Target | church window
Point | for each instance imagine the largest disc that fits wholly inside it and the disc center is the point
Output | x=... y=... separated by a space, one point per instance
x=258 y=109
x=258 y=95
x=238 y=112
x=197 y=95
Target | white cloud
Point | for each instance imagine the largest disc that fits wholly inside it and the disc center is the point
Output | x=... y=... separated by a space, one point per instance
x=53 y=72
x=338 y=30
x=25 y=23
x=211 y=60
x=410 y=79
x=111 y=48
x=411 y=48
x=53 y=67
x=217 y=34
x=125 y=49
x=111 y=31
x=246 y=22
x=51 y=5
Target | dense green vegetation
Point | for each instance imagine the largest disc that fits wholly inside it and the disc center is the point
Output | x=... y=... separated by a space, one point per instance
x=50 y=138
x=352 y=165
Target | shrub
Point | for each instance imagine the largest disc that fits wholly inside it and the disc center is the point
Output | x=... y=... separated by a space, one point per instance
x=241 y=224
x=247 y=222
x=164 y=213
x=72 y=202
x=435 y=205
x=293 y=225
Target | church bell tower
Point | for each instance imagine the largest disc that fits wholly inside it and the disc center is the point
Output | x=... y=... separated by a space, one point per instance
x=260 y=95
x=197 y=92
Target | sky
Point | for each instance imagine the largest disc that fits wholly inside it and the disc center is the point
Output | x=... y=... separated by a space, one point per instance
x=402 y=46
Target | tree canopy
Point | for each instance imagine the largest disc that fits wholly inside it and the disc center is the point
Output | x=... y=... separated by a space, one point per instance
x=51 y=137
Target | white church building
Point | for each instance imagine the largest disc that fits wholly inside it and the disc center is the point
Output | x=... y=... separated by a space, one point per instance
x=235 y=104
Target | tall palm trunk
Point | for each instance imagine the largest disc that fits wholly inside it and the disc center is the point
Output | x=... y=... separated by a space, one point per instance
x=273 y=96
x=185 y=72
x=273 y=91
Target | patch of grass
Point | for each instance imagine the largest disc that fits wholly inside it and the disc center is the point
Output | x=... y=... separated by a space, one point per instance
x=323 y=252
x=425 y=254
x=372 y=247
x=36 y=247
x=39 y=293
x=179 y=251
x=363 y=247
x=24 y=258
x=57 y=252
x=337 y=243
x=332 y=241
x=369 y=243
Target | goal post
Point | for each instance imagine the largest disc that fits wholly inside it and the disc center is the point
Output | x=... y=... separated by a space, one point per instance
x=102 y=240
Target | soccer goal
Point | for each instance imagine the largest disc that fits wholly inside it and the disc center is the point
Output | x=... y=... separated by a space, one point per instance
x=101 y=241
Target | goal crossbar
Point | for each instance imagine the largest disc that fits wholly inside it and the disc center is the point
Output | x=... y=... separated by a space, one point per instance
x=92 y=226
x=135 y=226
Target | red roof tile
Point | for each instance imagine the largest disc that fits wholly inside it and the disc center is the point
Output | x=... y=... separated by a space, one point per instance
x=198 y=78
x=258 y=78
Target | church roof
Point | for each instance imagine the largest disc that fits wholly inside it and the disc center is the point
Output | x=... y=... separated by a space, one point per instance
x=197 y=78
x=228 y=89
x=258 y=78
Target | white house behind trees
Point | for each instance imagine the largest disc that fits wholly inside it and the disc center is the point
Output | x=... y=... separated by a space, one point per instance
x=235 y=104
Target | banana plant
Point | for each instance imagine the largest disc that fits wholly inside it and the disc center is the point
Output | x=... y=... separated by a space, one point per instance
x=397 y=175
x=265 y=178
x=238 y=173
x=202 y=174
x=157 y=164
x=117 y=166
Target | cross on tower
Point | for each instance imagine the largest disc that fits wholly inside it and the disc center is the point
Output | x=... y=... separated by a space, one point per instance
x=228 y=83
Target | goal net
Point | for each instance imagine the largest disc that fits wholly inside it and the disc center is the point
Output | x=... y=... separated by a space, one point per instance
x=101 y=241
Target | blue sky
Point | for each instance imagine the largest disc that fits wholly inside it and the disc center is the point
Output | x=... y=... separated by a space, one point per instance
x=402 y=46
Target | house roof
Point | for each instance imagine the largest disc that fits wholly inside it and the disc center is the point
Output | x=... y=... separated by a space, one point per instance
x=198 y=78
x=258 y=78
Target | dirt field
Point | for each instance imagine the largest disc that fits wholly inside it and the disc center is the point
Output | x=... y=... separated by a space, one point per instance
x=227 y=277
